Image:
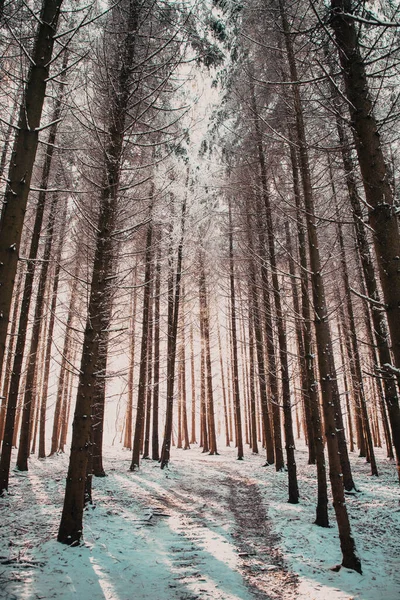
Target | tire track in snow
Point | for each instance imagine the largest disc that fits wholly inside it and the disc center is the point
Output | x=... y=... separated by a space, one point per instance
x=226 y=546
x=262 y=561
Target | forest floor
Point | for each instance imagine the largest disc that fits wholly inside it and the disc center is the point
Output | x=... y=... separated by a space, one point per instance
x=208 y=527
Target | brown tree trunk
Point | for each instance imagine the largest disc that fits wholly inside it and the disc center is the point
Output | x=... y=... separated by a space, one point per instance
x=258 y=335
x=341 y=326
x=379 y=196
x=24 y=440
x=66 y=405
x=355 y=348
x=235 y=366
x=65 y=356
x=252 y=390
x=204 y=314
x=156 y=377
x=379 y=324
x=71 y=525
x=131 y=367
x=174 y=293
x=283 y=353
x=47 y=360
x=271 y=354
x=224 y=400
x=185 y=427
x=149 y=376
x=10 y=352
x=305 y=395
x=141 y=398
x=323 y=335
x=20 y=173
x=203 y=391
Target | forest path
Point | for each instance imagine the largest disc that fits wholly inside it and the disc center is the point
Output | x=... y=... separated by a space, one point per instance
x=227 y=548
x=198 y=530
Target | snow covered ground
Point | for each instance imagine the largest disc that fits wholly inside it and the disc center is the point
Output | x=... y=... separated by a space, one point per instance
x=209 y=527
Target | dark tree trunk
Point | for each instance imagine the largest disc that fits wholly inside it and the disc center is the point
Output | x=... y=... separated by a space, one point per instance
x=149 y=375
x=305 y=395
x=141 y=398
x=99 y=308
x=20 y=171
x=156 y=377
x=204 y=315
x=65 y=357
x=252 y=390
x=47 y=360
x=10 y=352
x=341 y=326
x=174 y=293
x=379 y=196
x=24 y=440
x=324 y=343
x=10 y=428
x=224 y=400
x=66 y=405
x=258 y=335
x=235 y=366
x=203 y=393
x=129 y=408
x=185 y=427
x=378 y=320
x=355 y=348
x=312 y=391
x=283 y=353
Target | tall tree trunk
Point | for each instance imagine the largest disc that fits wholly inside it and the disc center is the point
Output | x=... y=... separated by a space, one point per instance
x=49 y=342
x=258 y=334
x=378 y=319
x=65 y=357
x=204 y=314
x=185 y=427
x=66 y=405
x=269 y=330
x=156 y=377
x=305 y=395
x=174 y=293
x=24 y=440
x=355 y=348
x=341 y=326
x=141 y=398
x=283 y=353
x=324 y=343
x=10 y=352
x=131 y=367
x=235 y=366
x=99 y=309
x=149 y=376
x=20 y=171
x=224 y=399
x=379 y=196
x=252 y=390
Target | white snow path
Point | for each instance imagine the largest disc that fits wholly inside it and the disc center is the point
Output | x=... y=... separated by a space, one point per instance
x=209 y=527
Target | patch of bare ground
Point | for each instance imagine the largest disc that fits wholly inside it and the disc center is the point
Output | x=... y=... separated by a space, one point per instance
x=263 y=565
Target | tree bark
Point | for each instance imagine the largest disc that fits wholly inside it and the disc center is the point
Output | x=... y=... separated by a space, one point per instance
x=378 y=319
x=382 y=211
x=174 y=293
x=141 y=398
x=156 y=377
x=325 y=358
x=235 y=366
x=99 y=309
x=22 y=161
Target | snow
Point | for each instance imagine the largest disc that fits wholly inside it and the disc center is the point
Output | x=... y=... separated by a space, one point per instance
x=206 y=527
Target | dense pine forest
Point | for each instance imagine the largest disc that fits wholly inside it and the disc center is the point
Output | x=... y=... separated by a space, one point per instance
x=200 y=252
